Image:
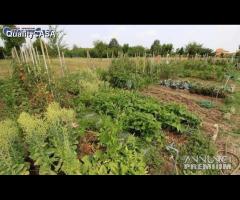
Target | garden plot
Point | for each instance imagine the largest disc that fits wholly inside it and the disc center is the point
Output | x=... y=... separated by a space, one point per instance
x=209 y=116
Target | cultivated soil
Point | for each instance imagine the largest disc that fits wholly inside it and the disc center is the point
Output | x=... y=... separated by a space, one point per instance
x=211 y=118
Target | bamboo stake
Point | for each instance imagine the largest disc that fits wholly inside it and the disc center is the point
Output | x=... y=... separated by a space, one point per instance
x=31 y=55
x=59 y=55
x=35 y=59
x=13 y=56
x=38 y=56
x=47 y=53
x=17 y=55
x=64 y=63
x=21 y=54
x=25 y=55
x=32 y=59
x=45 y=63
x=34 y=56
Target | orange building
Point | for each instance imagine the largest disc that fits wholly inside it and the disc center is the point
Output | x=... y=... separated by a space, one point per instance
x=221 y=52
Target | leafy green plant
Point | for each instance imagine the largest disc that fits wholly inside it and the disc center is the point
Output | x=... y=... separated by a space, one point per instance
x=35 y=136
x=11 y=150
x=14 y=97
x=206 y=104
x=142 y=124
x=63 y=138
x=117 y=103
x=197 y=145
x=121 y=157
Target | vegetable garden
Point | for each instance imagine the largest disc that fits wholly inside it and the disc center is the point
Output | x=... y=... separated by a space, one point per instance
x=100 y=121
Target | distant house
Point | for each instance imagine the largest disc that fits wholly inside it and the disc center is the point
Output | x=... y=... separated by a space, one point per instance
x=222 y=53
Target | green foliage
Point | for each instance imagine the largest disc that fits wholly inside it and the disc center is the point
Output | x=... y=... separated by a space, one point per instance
x=197 y=145
x=193 y=48
x=206 y=104
x=122 y=156
x=128 y=74
x=158 y=49
x=116 y=103
x=52 y=144
x=142 y=124
x=1 y=53
x=37 y=44
x=136 y=51
x=56 y=41
x=155 y=48
x=233 y=100
x=196 y=88
x=52 y=141
x=113 y=43
x=208 y=91
x=14 y=97
x=11 y=150
x=35 y=136
x=63 y=138
x=10 y=42
x=84 y=84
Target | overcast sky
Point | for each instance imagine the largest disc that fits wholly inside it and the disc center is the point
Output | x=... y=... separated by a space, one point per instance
x=212 y=36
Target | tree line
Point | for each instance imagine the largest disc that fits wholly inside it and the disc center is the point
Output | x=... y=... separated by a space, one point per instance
x=102 y=49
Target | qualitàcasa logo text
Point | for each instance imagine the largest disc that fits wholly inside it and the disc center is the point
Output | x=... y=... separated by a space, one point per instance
x=28 y=32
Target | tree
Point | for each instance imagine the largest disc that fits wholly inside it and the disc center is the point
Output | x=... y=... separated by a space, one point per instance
x=100 y=48
x=74 y=47
x=180 y=51
x=57 y=41
x=1 y=53
x=113 y=43
x=10 y=42
x=156 y=47
x=166 y=49
x=114 y=47
x=193 y=48
x=125 y=48
x=206 y=51
x=136 y=50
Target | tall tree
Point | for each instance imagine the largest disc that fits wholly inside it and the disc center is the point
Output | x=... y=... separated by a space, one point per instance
x=57 y=41
x=10 y=42
x=101 y=48
x=180 y=51
x=1 y=53
x=125 y=48
x=193 y=48
x=113 y=43
x=166 y=49
x=156 y=47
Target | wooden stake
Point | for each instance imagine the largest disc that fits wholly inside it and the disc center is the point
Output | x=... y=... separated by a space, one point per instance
x=47 y=53
x=17 y=55
x=60 y=59
x=45 y=63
